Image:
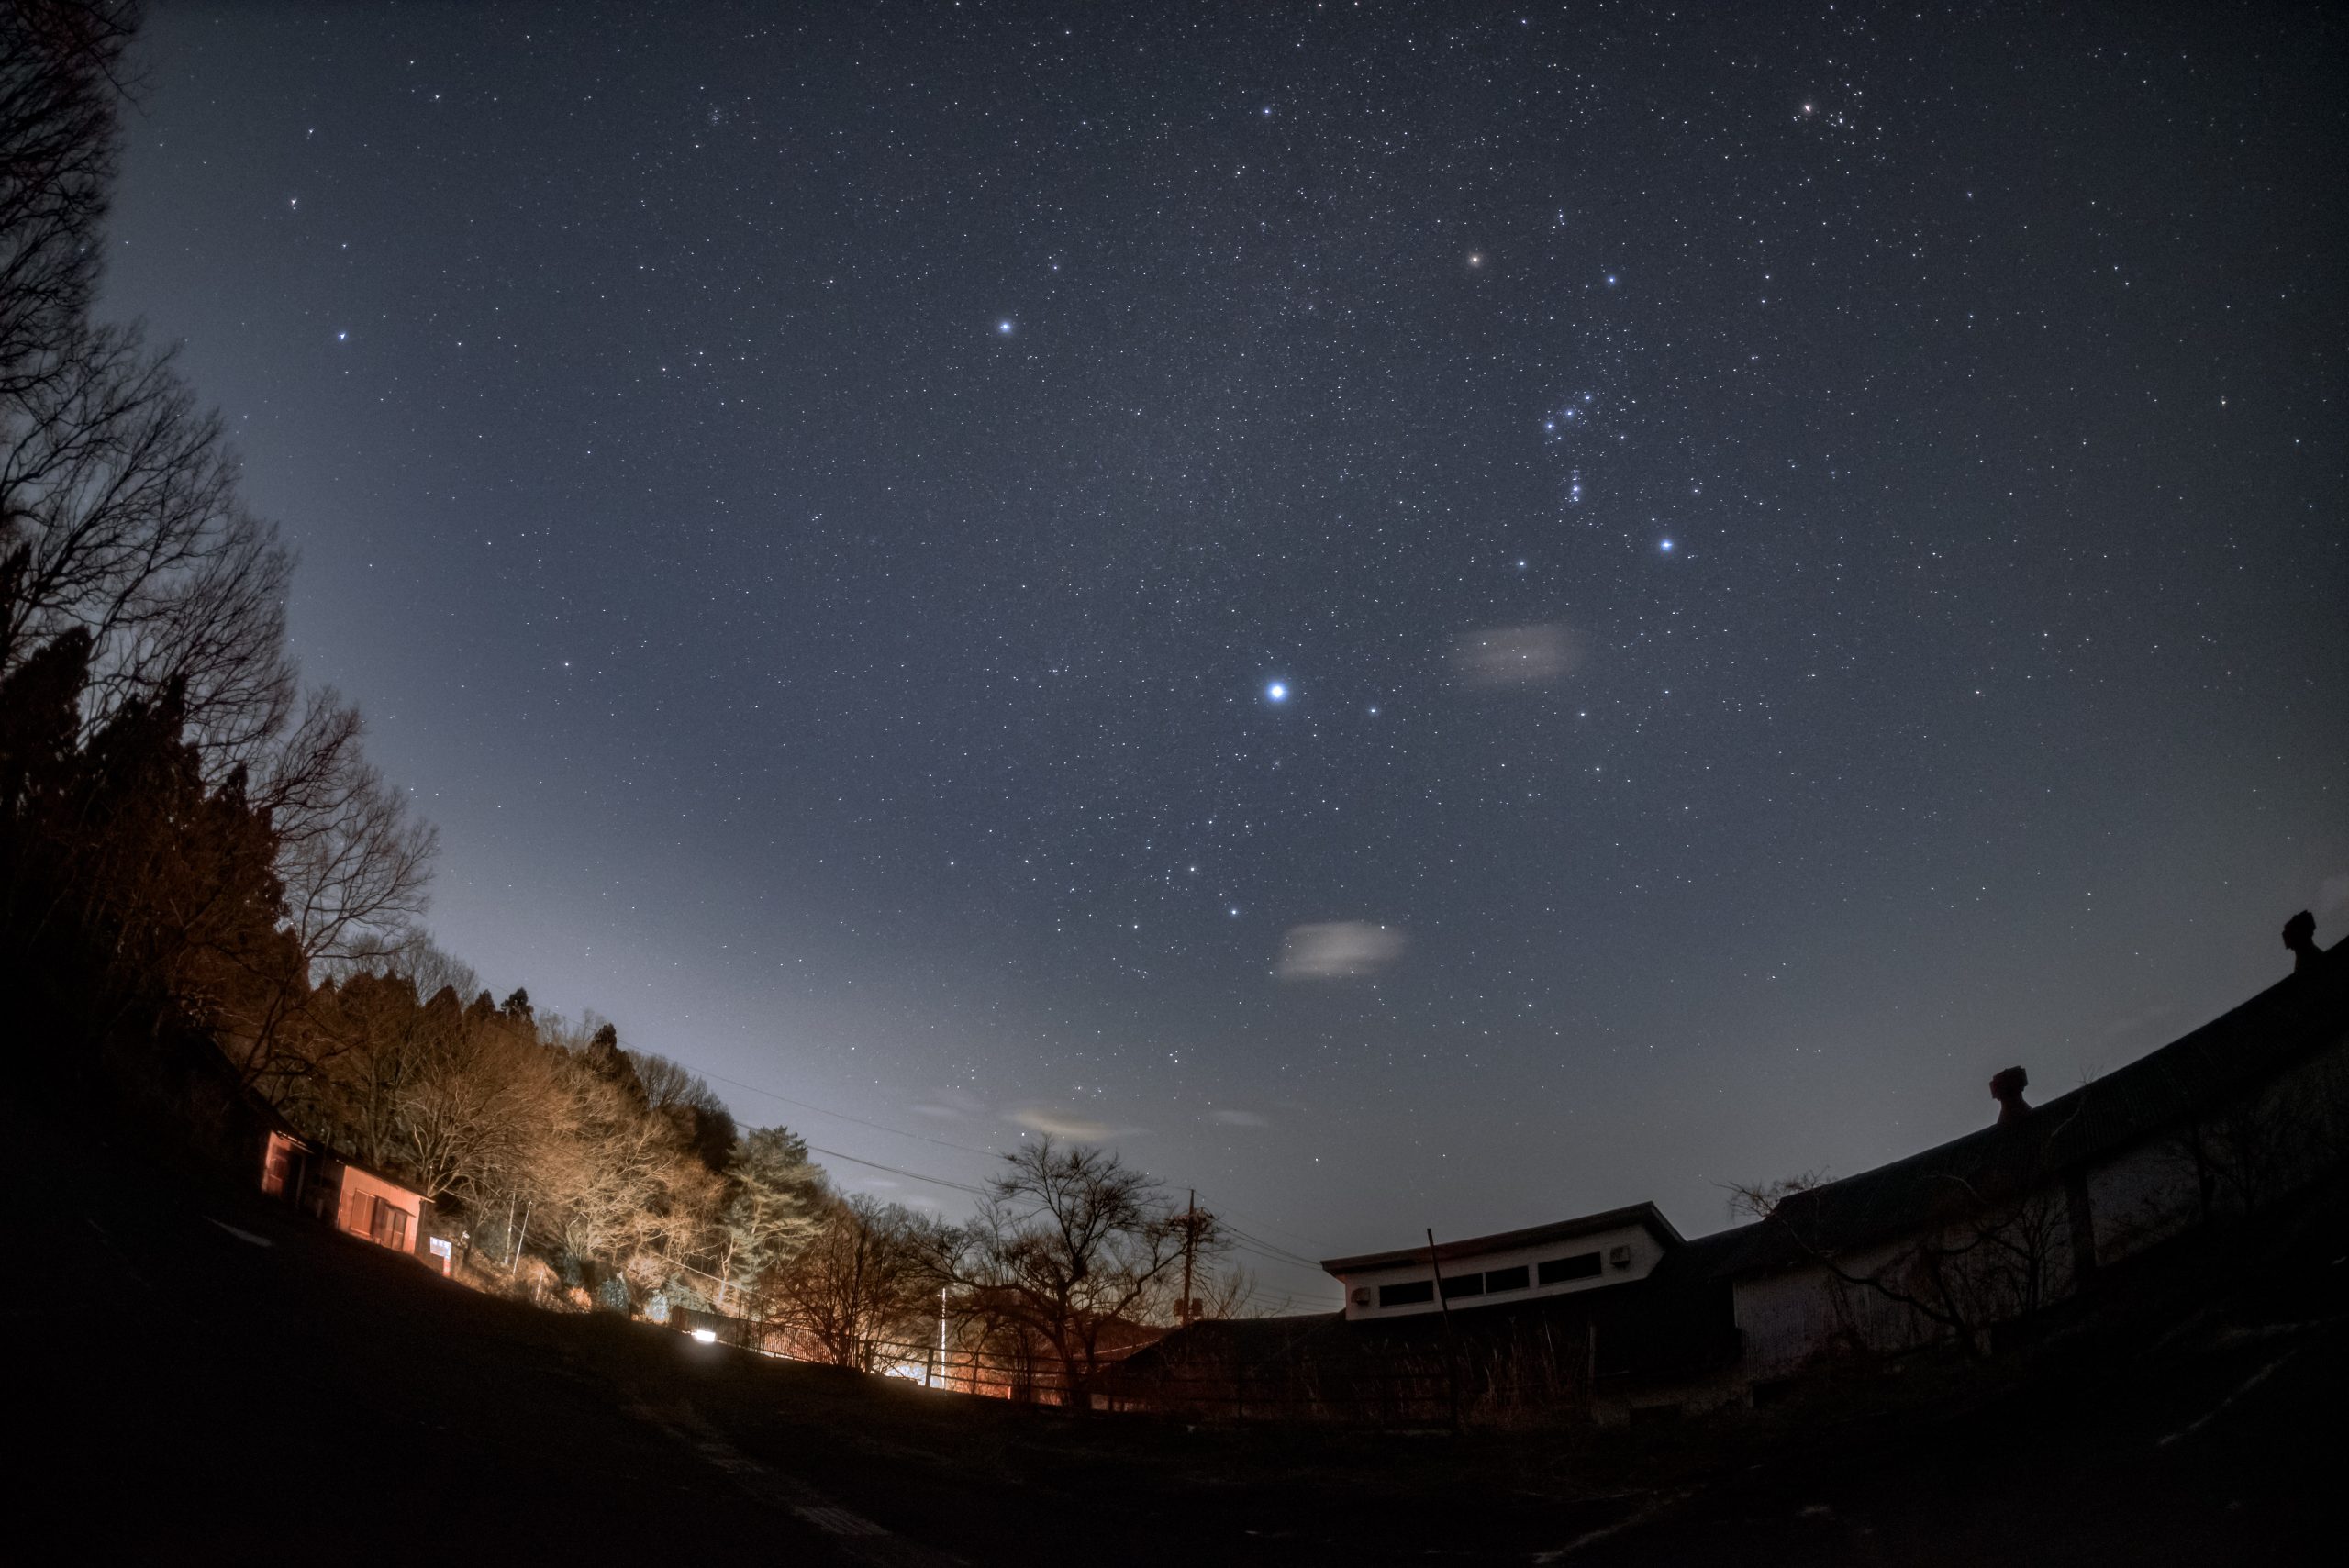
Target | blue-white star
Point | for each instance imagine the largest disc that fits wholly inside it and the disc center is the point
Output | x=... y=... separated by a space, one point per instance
x=1276 y=692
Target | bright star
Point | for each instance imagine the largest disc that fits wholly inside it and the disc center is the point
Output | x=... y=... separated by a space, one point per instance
x=1667 y=546
x=1003 y=327
x=1276 y=692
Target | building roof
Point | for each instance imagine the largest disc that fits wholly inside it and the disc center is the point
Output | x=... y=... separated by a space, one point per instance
x=328 y=1153
x=1646 y=1213
x=2157 y=1092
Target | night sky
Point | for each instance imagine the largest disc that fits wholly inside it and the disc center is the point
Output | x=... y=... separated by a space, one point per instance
x=1417 y=617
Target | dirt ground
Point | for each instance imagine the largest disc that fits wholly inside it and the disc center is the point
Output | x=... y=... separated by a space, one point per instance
x=202 y=1377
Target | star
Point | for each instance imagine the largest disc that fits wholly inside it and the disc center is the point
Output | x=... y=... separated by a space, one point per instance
x=1276 y=692
x=1003 y=327
x=1666 y=547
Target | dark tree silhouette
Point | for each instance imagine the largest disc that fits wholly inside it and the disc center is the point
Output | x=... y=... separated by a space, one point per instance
x=1069 y=1244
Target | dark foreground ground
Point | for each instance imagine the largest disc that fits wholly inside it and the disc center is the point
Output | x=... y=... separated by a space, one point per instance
x=196 y=1376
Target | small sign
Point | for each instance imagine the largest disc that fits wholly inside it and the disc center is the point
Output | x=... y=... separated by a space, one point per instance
x=439 y=1247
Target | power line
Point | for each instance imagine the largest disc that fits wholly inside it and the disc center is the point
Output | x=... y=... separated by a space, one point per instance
x=1268 y=1252
x=1269 y=1257
x=1285 y=1253
x=898 y=1170
x=1253 y=1219
x=844 y=1115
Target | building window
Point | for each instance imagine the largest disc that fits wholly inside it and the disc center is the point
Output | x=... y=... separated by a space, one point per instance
x=1408 y=1294
x=1498 y=1279
x=1463 y=1284
x=1582 y=1265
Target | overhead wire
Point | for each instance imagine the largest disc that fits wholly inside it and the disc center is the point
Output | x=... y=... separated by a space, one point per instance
x=844 y=1115
x=899 y=1171
x=1283 y=1252
x=1253 y=1245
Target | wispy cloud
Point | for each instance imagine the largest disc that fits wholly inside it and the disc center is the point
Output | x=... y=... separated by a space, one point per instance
x=950 y=1105
x=1338 y=950
x=1060 y=1123
x=1237 y=1118
x=1515 y=655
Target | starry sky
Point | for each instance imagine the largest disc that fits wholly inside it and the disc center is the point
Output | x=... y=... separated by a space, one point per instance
x=1415 y=615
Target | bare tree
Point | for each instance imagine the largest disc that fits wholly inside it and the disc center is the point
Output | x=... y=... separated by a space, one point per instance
x=475 y=1114
x=700 y=1117
x=354 y=858
x=123 y=493
x=857 y=1284
x=122 y=526
x=60 y=82
x=120 y=491
x=353 y=863
x=1071 y=1246
x=365 y=1051
x=1973 y=1260
x=623 y=1192
x=668 y=1083
x=2241 y=1156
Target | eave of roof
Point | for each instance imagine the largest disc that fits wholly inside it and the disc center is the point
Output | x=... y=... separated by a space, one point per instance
x=1646 y=1213
x=2159 y=1091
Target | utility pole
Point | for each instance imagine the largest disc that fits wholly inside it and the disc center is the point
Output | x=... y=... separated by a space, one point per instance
x=941 y=1334
x=1451 y=1352
x=1190 y=1243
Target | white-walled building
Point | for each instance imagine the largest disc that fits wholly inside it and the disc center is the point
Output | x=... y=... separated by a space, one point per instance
x=1957 y=1242
x=1618 y=1247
